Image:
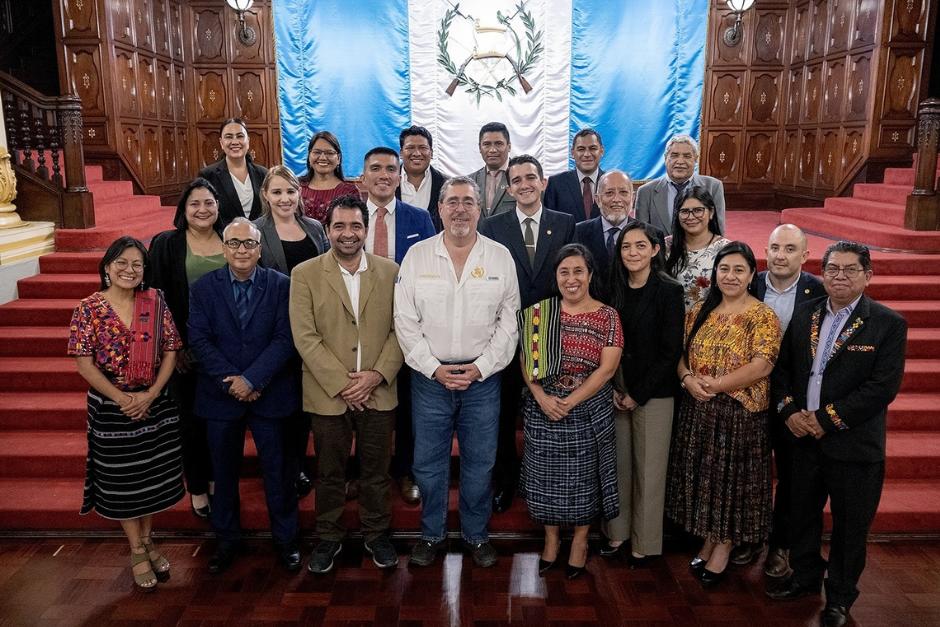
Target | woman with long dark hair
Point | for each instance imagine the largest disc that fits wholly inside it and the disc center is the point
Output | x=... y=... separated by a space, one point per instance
x=236 y=177
x=571 y=346
x=696 y=239
x=124 y=342
x=719 y=485
x=649 y=302
x=180 y=257
x=323 y=181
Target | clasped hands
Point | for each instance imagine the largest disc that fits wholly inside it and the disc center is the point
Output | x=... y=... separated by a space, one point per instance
x=358 y=390
x=136 y=405
x=457 y=377
x=702 y=388
x=239 y=388
x=803 y=423
x=623 y=402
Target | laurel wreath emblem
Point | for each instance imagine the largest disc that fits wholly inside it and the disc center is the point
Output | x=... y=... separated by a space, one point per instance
x=522 y=63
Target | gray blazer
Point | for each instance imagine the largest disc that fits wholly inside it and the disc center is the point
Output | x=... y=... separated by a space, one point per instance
x=504 y=202
x=272 y=253
x=652 y=199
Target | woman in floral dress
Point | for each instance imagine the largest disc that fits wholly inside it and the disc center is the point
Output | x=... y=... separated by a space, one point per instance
x=696 y=240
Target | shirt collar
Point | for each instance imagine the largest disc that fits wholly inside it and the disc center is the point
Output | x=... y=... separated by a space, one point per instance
x=688 y=180
x=536 y=217
x=233 y=278
x=501 y=168
x=424 y=181
x=848 y=309
x=789 y=288
x=606 y=226
x=363 y=265
x=590 y=175
x=374 y=207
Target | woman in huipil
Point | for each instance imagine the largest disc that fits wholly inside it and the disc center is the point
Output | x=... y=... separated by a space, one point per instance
x=323 y=181
x=696 y=240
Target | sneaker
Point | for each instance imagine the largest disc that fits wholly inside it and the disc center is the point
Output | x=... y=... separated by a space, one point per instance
x=484 y=555
x=321 y=560
x=424 y=552
x=382 y=552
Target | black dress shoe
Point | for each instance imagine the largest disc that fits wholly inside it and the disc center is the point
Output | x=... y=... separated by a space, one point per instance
x=544 y=566
x=834 y=616
x=289 y=557
x=303 y=485
x=640 y=562
x=697 y=565
x=709 y=579
x=222 y=559
x=612 y=551
x=502 y=499
x=792 y=589
x=200 y=512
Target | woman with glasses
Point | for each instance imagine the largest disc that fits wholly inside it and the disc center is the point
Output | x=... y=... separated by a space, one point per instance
x=236 y=177
x=323 y=180
x=125 y=343
x=179 y=257
x=718 y=485
x=696 y=239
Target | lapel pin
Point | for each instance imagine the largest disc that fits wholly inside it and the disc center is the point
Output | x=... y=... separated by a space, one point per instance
x=806 y=291
x=548 y=232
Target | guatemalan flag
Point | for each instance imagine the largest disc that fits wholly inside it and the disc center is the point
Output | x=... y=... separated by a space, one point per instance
x=366 y=69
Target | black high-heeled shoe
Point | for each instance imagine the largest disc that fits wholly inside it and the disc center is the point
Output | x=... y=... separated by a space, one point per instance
x=573 y=572
x=544 y=566
x=709 y=579
x=697 y=565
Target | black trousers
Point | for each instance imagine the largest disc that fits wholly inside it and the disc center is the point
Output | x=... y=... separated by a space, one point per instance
x=854 y=490
x=197 y=465
x=782 y=444
x=404 y=457
x=506 y=470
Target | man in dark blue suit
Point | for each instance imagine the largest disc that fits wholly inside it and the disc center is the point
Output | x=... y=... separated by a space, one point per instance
x=533 y=234
x=599 y=235
x=240 y=332
x=575 y=192
x=394 y=227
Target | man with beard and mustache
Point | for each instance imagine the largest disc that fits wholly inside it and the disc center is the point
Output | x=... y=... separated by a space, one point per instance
x=341 y=317
x=455 y=316
x=599 y=235
x=575 y=191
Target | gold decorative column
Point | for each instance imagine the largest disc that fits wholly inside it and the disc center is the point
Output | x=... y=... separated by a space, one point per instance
x=8 y=216
x=19 y=240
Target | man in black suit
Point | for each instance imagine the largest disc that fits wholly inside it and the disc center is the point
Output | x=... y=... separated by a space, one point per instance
x=599 y=235
x=784 y=287
x=420 y=183
x=840 y=365
x=575 y=191
x=533 y=234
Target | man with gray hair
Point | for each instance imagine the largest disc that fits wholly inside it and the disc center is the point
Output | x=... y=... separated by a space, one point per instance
x=599 y=235
x=656 y=201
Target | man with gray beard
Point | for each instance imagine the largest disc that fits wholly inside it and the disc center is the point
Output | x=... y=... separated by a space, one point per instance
x=599 y=235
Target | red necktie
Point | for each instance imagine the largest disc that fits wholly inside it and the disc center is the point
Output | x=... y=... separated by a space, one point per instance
x=588 y=195
x=380 y=243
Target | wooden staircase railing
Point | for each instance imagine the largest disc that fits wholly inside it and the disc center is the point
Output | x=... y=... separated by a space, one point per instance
x=923 y=205
x=44 y=137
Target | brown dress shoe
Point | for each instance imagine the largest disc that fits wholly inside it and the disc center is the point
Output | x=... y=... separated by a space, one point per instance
x=745 y=554
x=409 y=491
x=777 y=564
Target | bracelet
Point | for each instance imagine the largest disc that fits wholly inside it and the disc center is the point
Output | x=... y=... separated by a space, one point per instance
x=682 y=380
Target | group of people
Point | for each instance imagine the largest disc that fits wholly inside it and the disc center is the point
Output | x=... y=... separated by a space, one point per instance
x=652 y=367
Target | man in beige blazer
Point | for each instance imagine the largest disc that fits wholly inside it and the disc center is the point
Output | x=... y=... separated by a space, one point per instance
x=341 y=318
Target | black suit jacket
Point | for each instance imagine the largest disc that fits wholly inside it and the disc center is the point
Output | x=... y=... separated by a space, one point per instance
x=860 y=379
x=591 y=234
x=563 y=193
x=168 y=273
x=652 y=342
x=437 y=182
x=229 y=206
x=536 y=280
x=808 y=288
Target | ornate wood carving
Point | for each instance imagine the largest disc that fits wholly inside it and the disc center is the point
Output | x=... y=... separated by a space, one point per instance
x=812 y=92
x=890 y=136
x=80 y=18
x=852 y=148
x=834 y=91
x=789 y=158
x=210 y=96
x=148 y=92
x=126 y=87
x=769 y=36
x=208 y=38
x=840 y=24
x=176 y=31
x=725 y=98
x=901 y=88
x=250 y=96
x=164 y=90
x=179 y=94
x=722 y=155
x=130 y=143
x=759 y=157
x=209 y=149
x=866 y=14
x=764 y=98
x=241 y=53
x=858 y=87
x=801 y=25
x=794 y=96
x=909 y=20
x=819 y=10
x=122 y=24
x=729 y=55
x=82 y=66
x=259 y=149
x=168 y=153
x=143 y=24
x=805 y=175
x=829 y=159
x=150 y=155
x=161 y=29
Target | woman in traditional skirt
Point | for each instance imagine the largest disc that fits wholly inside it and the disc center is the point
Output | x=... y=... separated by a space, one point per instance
x=719 y=469
x=570 y=350
x=124 y=341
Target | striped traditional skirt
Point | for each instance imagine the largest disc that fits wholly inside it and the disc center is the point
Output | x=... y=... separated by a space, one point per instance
x=719 y=481
x=134 y=467
x=569 y=467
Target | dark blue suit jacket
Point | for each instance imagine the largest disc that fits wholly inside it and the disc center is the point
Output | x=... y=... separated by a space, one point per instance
x=262 y=352
x=537 y=279
x=412 y=224
x=808 y=288
x=563 y=194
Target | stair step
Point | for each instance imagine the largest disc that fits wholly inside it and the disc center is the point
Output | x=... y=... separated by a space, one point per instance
x=33 y=341
x=882 y=192
x=866 y=210
x=914 y=411
x=38 y=311
x=99 y=238
x=103 y=191
x=901 y=176
x=923 y=342
x=93 y=173
x=883 y=287
x=913 y=455
x=41 y=411
x=75 y=286
x=918 y=313
x=40 y=374
x=70 y=263
x=816 y=221
x=116 y=211
x=920 y=375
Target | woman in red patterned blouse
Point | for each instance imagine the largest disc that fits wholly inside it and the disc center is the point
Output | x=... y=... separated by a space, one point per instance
x=323 y=180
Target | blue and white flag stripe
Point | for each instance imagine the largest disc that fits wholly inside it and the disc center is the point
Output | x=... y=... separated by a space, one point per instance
x=364 y=70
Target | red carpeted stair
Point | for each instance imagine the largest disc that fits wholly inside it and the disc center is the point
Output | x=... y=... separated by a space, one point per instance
x=42 y=402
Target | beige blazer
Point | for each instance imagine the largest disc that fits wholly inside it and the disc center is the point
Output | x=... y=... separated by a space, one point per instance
x=326 y=333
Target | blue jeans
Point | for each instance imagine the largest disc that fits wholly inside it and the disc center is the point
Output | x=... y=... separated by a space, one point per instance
x=474 y=414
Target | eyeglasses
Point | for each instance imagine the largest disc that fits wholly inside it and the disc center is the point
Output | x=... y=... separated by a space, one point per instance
x=316 y=152
x=832 y=271
x=235 y=244
x=453 y=203
x=698 y=212
x=122 y=264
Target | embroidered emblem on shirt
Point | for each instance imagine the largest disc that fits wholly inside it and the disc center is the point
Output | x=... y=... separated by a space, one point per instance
x=477 y=272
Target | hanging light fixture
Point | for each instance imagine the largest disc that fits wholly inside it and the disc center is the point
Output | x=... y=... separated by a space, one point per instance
x=246 y=34
x=732 y=36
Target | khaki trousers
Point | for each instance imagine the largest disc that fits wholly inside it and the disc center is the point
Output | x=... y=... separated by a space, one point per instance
x=643 y=437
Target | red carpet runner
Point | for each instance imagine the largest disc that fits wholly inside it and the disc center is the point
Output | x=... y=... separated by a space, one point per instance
x=42 y=412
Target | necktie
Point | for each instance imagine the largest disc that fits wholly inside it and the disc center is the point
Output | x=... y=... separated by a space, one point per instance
x=492 y=181
x=677 y=203
x=612 y=233
x=380 y=243
x=242 y=301
x=529 y=238
x=587 y=194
